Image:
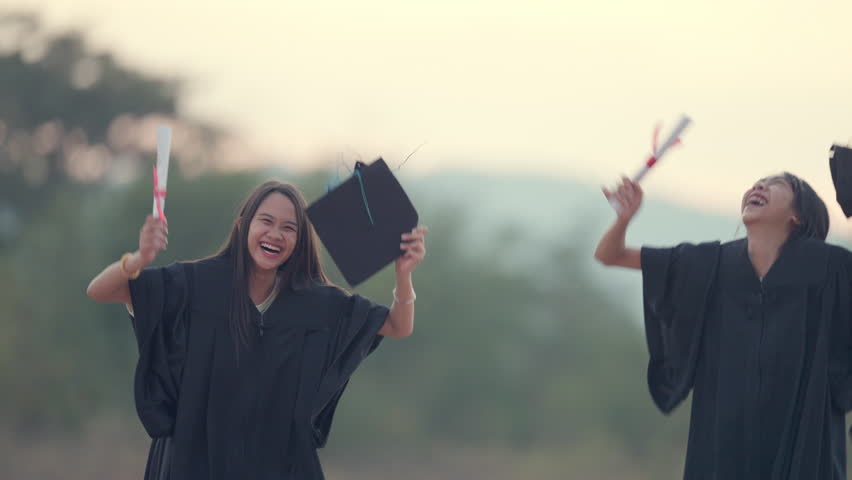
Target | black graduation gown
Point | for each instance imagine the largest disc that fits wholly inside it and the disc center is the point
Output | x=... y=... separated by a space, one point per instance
x=768 y=362
x=261 y=413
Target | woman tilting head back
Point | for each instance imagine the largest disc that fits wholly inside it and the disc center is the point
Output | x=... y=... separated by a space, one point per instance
x=788 y=201
x=758 y=330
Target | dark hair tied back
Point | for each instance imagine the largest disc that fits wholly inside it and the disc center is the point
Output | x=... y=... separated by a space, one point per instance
x=810 y=209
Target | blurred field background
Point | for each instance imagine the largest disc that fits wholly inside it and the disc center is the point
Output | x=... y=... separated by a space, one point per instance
x=528 y=360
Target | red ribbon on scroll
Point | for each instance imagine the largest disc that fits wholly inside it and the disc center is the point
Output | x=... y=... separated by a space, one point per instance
x=159 y=196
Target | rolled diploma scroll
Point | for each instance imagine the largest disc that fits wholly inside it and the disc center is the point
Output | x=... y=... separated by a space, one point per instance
x=670 y=141
x=164 y=144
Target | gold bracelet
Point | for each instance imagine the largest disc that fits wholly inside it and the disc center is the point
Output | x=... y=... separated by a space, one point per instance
x=123 y=267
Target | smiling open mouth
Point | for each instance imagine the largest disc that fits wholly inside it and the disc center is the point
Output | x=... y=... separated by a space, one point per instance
x=268 y=247
x=756 y=200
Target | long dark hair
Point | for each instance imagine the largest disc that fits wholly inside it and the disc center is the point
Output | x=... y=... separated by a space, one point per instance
x=303 y=269
x=813 y=216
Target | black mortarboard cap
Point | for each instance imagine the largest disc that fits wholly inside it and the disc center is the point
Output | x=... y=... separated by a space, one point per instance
x=840 y=162
x=361 y=220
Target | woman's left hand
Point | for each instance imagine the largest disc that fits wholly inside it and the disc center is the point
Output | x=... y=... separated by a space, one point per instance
x=414 y=247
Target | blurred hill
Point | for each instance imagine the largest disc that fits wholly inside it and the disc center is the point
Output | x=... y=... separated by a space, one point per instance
x=532 y=215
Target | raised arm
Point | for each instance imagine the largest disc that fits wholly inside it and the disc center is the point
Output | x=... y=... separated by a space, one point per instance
x=111 y=285
x=611 y=249
x=400 y=320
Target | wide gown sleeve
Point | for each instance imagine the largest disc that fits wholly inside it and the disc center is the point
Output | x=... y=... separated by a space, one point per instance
x=840 y=363
x=355 y=337
x=160 y=317
x=676 y=285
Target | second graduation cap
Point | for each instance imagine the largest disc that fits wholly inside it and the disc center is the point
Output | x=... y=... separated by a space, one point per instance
x=841 y=174
x=360 y=221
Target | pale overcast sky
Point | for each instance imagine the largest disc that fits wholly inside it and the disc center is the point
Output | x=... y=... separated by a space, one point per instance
x=566 y=88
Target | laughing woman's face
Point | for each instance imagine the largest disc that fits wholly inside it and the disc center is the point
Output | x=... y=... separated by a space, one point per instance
x=769 y=201
x=273 y=232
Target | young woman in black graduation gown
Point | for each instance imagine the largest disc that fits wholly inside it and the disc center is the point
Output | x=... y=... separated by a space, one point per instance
x=757 y=328
x=243 y=356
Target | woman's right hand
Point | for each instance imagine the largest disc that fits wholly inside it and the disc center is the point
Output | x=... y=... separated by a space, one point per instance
x=153 y=239
x=611 y=248
x=628 y=197
x=111 y=285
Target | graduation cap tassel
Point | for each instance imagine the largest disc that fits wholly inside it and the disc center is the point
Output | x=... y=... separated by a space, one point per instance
x=360 y=246
x=357 y=173
x=409 y=156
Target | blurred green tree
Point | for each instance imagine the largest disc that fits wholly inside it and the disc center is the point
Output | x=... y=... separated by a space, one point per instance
x=71 y=117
